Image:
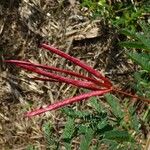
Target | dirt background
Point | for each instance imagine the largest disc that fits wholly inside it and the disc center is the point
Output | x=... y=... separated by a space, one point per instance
x=65 y=25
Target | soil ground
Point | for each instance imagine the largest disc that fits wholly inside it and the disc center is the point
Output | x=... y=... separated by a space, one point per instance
x=23 y=25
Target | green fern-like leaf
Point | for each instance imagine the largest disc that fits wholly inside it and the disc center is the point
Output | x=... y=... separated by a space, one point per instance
x=75 y=113
x=133 y=119
x=67 y=145
x=133 y=44
x=50 y=140
x=145 y=28
x=113 y=145
x=118 y=135
x=142 y=84
x=95 y=104
x=86 y=138
x=142 y=38
x=101 y=124
x=69 y=129
x=142 y=59
x=115 y=105
x=128 y=33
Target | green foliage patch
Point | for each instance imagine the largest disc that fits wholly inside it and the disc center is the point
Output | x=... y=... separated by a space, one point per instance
x=98 y=125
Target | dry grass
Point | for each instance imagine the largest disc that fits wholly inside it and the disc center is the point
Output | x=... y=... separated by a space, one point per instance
x=22 y=26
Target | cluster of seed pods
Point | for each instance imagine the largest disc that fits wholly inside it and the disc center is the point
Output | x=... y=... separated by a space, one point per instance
x=97 y=84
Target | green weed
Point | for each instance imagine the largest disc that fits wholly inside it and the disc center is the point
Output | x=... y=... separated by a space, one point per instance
x=103 y=125
x=119 y=14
